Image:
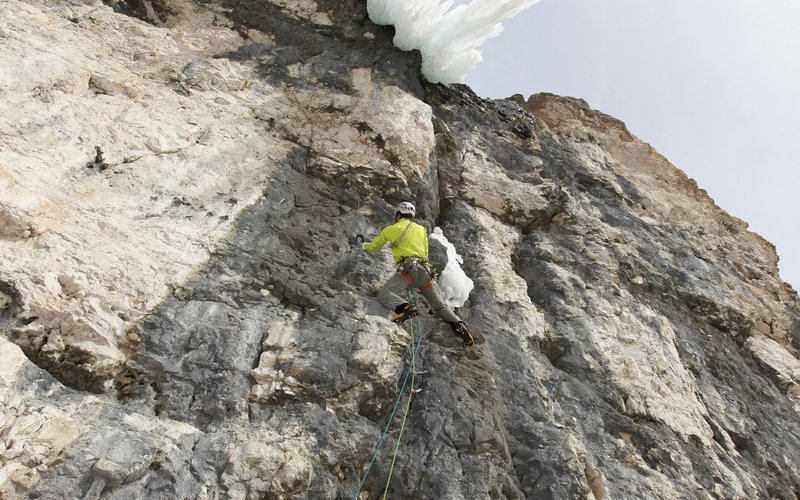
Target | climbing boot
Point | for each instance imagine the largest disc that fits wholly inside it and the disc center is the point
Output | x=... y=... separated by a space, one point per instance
x=460 y=329
x=404 y=312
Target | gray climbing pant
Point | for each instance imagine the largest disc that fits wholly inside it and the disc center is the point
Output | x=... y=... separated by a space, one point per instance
x=418 y=277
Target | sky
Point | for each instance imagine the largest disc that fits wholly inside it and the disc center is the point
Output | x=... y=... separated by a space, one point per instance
x=713 y=85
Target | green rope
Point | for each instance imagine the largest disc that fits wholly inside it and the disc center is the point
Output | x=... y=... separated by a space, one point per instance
x=414 y=351
x=408 y=407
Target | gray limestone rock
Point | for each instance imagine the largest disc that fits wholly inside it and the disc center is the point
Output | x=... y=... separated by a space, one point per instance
x=196 y=321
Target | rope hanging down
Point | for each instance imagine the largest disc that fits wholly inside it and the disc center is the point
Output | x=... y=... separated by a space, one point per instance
x=410 y=397
x=414 y=350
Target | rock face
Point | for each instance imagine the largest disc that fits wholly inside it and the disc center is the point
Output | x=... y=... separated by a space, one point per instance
x=184 y=313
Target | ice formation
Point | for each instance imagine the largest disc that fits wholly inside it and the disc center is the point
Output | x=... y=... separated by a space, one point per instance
x=447 y=33
x=453 y=282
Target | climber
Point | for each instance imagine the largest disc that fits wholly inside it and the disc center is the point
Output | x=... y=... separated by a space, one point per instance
x=409 y=242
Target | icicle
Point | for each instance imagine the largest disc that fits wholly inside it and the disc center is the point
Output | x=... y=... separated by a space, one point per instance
x=447 y=36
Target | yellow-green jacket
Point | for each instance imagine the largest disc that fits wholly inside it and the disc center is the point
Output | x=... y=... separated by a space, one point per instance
x=415 y=243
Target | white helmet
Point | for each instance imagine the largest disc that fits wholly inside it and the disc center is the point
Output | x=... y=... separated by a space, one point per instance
x=406 y=208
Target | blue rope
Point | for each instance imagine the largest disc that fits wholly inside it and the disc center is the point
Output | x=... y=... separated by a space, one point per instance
x=396 y=402
x=408 y=407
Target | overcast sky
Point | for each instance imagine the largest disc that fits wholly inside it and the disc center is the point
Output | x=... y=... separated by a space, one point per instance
x=713 y=85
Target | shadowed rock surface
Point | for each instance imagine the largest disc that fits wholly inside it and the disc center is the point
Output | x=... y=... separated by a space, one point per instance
x=195 y=320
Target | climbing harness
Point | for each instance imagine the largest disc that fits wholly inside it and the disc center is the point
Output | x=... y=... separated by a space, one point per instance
x=405 y=265
x=411 y=370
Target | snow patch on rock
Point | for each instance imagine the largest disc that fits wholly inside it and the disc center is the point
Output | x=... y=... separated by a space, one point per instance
x=453 y=282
